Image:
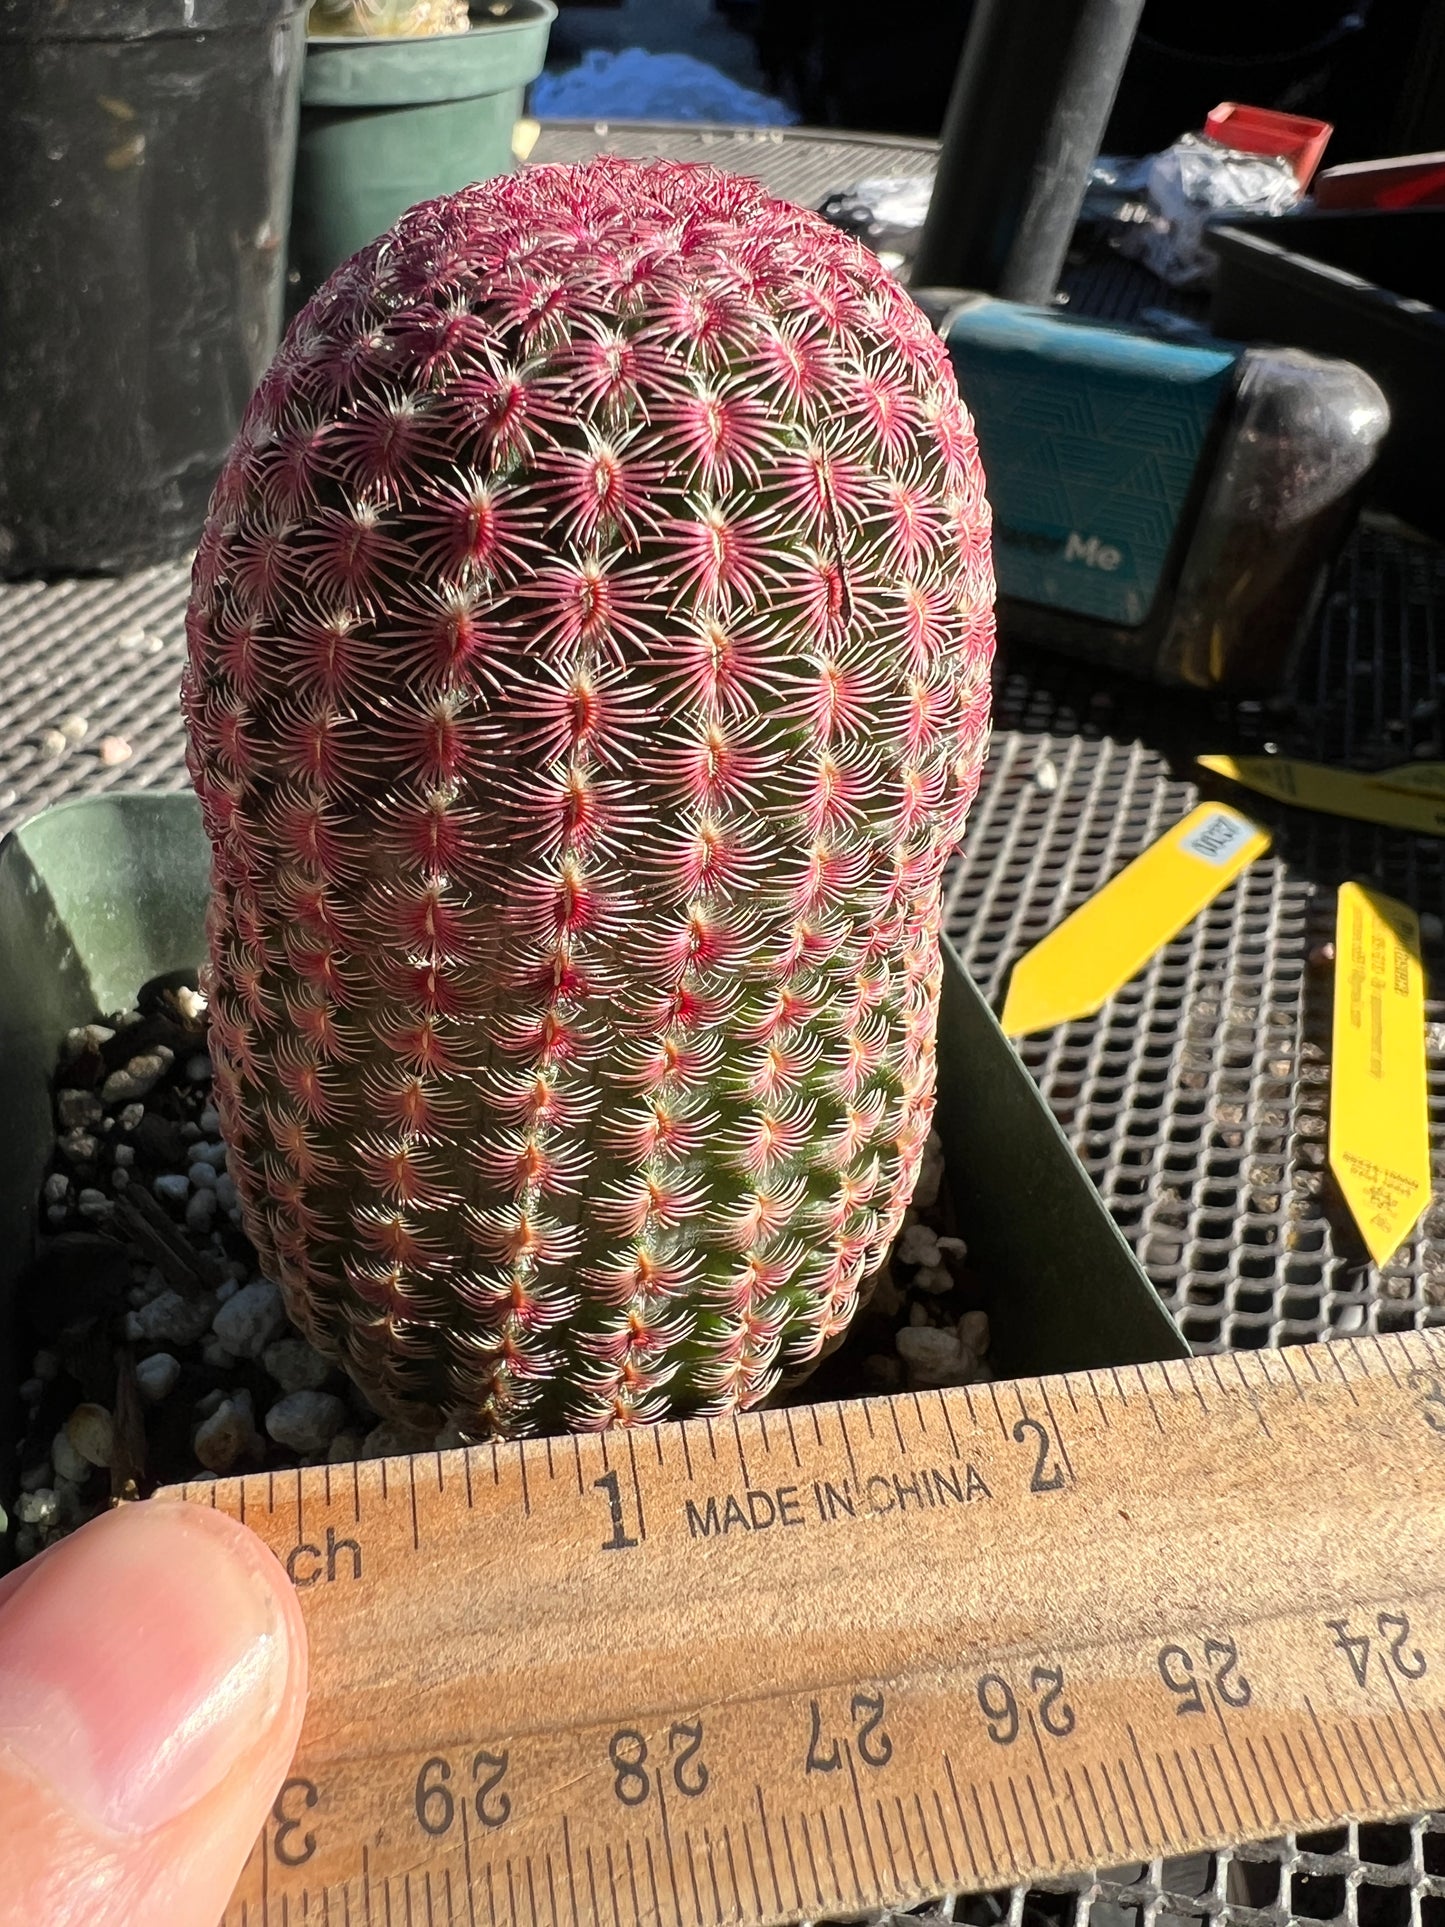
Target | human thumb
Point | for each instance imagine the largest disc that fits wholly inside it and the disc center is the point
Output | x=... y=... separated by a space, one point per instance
x=152 y=1682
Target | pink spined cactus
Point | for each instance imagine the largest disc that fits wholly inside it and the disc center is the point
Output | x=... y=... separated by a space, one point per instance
x=588 y=682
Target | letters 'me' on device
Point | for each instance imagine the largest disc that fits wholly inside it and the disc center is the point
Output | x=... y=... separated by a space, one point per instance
x=1169 y=510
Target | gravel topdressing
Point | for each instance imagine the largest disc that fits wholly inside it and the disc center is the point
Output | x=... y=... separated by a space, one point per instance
x=157 y=1351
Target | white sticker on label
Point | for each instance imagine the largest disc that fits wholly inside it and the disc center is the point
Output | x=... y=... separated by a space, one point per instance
x=1217 y=838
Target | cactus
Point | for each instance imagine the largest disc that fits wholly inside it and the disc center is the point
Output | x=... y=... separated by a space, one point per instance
x=587 y=683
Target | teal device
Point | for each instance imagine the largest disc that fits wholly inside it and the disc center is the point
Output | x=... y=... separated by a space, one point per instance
x=1169 y=508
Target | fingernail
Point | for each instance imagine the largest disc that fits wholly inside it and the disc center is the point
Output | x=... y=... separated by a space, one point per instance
x=142 y=1662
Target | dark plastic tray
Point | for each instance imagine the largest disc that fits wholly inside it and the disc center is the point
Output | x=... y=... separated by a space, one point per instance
x=1371 y=288
x=98 y=895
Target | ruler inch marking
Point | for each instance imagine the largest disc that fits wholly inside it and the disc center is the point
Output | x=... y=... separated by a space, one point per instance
x=897 y=1428
x=1058 y=1431
x=1251 y=1393
x=847 y=1441
x=1304 y=1785
x=1406 y=1716
x=522 y=1469
x=1434 y=1736
x=1325 y=1754
x=636 y=1484
x=1098 y=1400
x=657 y=1913
x=1361 y=1735
x=691 y=1861
x=1334 y=1357
x=1038 y=1812
x=753 y=1870
x=833 y=1873
x=1148 y=1392
x=1299 y=1390
x=1239 y=1828
x=1002 y=1818
x=717 y=1901
x=1114 y=1798
x=919 y=1415
x=768 y=1844
x=1088 y=1780
x=1384 y=1358
x=862 y=1815
x=1199 y=1820
x=940 y=1880
x=1343 y=1745
x=858 y=1886
x=812 y=1860
x=920 y=1885
x=1123 y=1768
x=667 y=1849
x=467 y=1857
x=948 y=1423
x=963 y=1823
x=577 y=1457
x=900 y=1885
x=571 y=1875
x=467 y=1470
x=741 y=1449
x=732 y=1868
x=792 y=1437
x=596 y=1914
x=1228 y=1739
x=992 y=1389
x=1043 y=1757
x=759 y=1421
x=415 y=1526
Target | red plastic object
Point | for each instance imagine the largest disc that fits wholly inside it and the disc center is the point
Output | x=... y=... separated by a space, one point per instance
x=1408 y=180
x=1261 y=130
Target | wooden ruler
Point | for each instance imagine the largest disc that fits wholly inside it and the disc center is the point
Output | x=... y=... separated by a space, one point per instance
x=825 y=1658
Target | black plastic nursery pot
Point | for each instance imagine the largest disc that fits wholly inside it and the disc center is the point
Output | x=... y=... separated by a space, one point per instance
x=100 y=895
x=1368 y=286
x=146 y=156
x=389 y=122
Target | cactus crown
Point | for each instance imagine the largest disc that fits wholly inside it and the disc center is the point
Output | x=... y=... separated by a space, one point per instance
x=588 y=681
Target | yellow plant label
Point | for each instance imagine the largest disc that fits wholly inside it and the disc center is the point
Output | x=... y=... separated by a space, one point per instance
x=1428 y=778
x=1335 y=792
x=1109 y=939
x=1379 y=1120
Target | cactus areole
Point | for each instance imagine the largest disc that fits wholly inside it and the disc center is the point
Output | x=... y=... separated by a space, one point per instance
x=588 y=680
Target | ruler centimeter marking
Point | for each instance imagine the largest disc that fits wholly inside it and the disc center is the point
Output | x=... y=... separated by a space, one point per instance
x=829 y=1658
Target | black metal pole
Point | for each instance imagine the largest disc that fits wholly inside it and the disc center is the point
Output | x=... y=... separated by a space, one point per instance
x=1035 y=85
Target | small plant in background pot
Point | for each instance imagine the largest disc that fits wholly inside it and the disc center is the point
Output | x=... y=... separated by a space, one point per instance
x=369 y=19
x=402 y=100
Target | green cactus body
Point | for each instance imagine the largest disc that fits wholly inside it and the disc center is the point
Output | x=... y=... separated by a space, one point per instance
x=588 y=681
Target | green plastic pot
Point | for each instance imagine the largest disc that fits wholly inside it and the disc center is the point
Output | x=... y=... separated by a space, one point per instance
x=99 y=895
x=387 y=123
